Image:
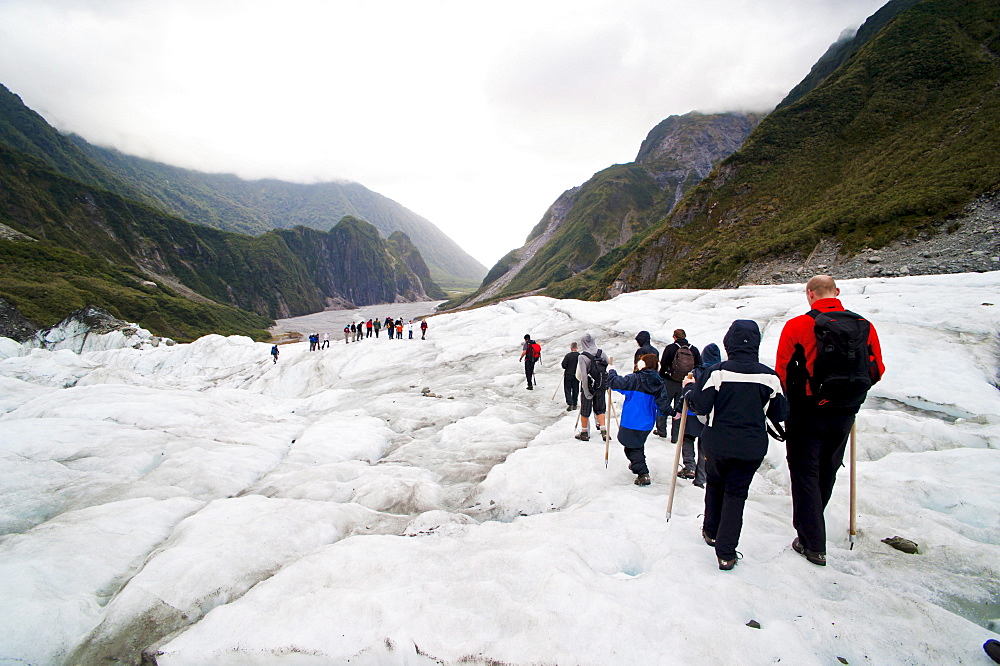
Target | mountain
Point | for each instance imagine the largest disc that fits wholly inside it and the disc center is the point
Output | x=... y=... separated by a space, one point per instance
x=889 y=147
x=402 y=247
x=599 y=221
x=224 y=201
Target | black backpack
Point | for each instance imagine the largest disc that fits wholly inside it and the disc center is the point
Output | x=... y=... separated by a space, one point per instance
x=682 y=364
x=597 y=374
x=844 y=369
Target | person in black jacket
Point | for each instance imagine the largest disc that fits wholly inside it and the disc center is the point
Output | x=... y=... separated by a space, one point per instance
x=571 y=385
x=735 y=396
x=642 y=339
x=694 y=465
x=673 y=385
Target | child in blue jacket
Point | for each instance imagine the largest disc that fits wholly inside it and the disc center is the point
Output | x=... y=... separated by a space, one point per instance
x=645 y=397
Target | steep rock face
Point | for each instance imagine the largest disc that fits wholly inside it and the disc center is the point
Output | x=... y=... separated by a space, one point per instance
x=616 y=207
x=891 y=145
x=93 y=329
x=13 y=324
x=402 y=247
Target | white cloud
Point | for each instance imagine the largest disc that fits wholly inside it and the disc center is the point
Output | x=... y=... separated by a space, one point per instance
x=475 y=115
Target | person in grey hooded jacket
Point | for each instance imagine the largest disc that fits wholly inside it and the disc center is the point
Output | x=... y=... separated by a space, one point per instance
x=736 y=396
x=590 y=398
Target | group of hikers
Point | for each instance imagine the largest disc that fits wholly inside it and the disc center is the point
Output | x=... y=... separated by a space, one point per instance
x=355 y=332
x=827 y=359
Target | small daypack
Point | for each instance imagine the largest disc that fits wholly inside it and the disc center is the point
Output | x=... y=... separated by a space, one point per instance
x=843 y=370
x=597 y=374
x=536 y=351
x=682 y=364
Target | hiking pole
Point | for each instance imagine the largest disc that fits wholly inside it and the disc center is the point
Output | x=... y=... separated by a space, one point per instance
x=677 y=456
x=554 y=391
x=607 y=425
x=854 y=483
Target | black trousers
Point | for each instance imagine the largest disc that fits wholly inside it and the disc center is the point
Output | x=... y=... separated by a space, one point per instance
x=815 y=443
x=571 y=387
x=634 y=442
x=673 y=390
x=529 y=369
x=726 y=490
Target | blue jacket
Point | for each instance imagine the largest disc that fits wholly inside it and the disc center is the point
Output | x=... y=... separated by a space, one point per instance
x=645 y=395
x=737 y=395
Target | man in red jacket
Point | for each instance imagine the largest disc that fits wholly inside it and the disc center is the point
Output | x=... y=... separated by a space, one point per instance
x=820 y=418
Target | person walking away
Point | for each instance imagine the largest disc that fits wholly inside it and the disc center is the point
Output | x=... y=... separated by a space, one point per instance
x=354 y=332
x=642 y=339
x=679 y=358
x=694 y=458
x=361 y=330
x=368 y=328
x=591 y=372
x=390 y=327
x=571 y=385
x=409 y=330
x=531 y=353
x=399 y=329
x=423 y=329
x=347 y=335
x=645 y=395
x=326 y=340
x=826 y=384
x=274 y=353
x=377 y=326
x=735 y=396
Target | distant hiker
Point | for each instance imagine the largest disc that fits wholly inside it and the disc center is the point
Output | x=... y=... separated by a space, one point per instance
x=377 y=326
x=531 y=353
x=368 y=328
x=399 y=329
x=390 y=327
x=736 y=396
x=314 y=342
x=423 y=329
x=826 y=385
x=354 y=332
x=591 y=372
x=645 y=396
x=642 y=339
x=326 y=340
x=347 y=335
x=571 y=385
x=274 y=353
x=361 y=330
x=409 y=329
x=694 y=464
x=679 y=358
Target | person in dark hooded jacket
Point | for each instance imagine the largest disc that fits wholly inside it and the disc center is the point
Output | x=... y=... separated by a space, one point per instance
x=645 y=396
x=735 y=396
x=694 y=465
x=642 y=339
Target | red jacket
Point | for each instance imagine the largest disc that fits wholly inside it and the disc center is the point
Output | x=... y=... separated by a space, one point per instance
x=797 y=346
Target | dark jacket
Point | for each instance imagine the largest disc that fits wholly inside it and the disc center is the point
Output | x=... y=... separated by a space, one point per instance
x=668 y=356
x=569 y=364
x=642 y=339
x=736 y=396
x=644 y=394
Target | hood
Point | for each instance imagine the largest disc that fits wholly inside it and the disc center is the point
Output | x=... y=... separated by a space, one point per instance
x=650 y=381
x=711 y=355
x=642 y=338
x=587 y=344
x=742 y=339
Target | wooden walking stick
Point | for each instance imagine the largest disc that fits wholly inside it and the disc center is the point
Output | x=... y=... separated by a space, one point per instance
x=677 y=456
x=854 y=483
x=607 y=426
x=554 y=391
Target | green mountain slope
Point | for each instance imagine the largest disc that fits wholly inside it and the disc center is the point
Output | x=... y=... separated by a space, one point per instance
x=901 y=136
x=602 y=220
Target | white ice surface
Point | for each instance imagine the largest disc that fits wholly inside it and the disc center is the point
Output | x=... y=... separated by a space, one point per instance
x=207 y=506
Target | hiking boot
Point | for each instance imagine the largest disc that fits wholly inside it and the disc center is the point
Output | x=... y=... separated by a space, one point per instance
x=642 y=480
x=992 y=649
x=815 y=557
x=583 y=436
x=727 y=565
x=698 y=485
x=685 y=474
x=709 y=540
x=604 y=435
x=659 y=433
x=530 y=388
x=569 y=408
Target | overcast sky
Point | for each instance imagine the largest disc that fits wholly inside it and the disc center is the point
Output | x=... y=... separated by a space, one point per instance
x=476 y=115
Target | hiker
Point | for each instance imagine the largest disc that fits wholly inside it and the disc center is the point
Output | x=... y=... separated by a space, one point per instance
x=274 y=353
x=644 y=395
x=377 y=326
x=642 y=340
x=390 y=327
x=736 y=396
x=571 y=385
x=399 y=329
x=822 y=409
x=679 y=358
x=409 y=330
x=354 y=332
x=326 y=340
x=347 y=335
x=368 y=328
x=423 y=329
x=591 y=372
x=531 y=353
x=694 y=464
x=361 y=330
